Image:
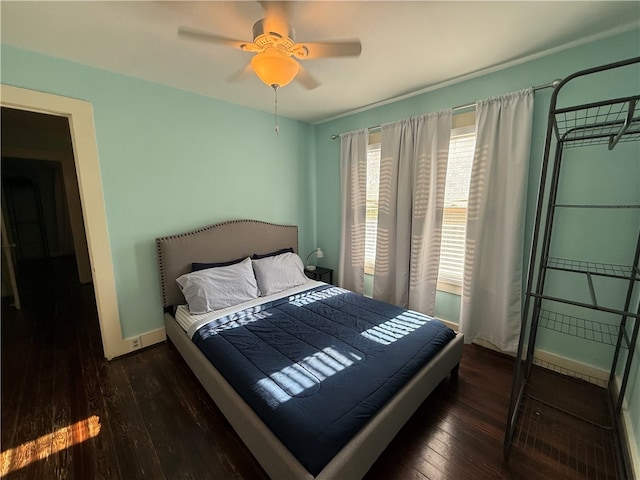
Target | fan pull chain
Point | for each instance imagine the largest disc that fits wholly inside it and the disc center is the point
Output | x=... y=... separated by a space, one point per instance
x=275 y=93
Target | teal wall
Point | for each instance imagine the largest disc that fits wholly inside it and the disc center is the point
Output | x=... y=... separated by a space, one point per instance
x=173 y=161
x=593 y=173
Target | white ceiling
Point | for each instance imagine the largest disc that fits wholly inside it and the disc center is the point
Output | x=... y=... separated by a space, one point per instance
x=406 y=46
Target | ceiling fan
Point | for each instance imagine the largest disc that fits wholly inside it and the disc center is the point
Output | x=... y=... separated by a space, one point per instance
x=276 y=50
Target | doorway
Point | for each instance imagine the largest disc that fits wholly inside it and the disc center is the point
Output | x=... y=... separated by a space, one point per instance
x=37 y=195
x=78 y=117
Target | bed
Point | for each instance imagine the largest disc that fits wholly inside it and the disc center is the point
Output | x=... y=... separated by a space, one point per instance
x=218 y=245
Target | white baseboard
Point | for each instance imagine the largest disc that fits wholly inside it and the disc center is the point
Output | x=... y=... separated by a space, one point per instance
x=143 y=340
x=595 y=375
x=632 y=444
x=565 y=365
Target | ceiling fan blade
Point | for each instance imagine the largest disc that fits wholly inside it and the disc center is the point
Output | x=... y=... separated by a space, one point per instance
x=195 y=34
x=277 y=17
x=306 y=79
x=310 y=50
x=240 y=75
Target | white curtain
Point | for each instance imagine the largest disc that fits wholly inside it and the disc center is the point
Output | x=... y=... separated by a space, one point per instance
x=413 y=169
x=492 y=285
x=353 y=189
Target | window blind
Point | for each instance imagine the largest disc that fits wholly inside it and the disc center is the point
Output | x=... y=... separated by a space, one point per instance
x=371 y=225
x=456 y=197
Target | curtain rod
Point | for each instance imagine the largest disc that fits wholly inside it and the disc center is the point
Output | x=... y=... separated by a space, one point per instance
x=553 y=84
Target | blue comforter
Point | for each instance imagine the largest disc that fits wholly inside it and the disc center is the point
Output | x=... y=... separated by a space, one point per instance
x=317 y=366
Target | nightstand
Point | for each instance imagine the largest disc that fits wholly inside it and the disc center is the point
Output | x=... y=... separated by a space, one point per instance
x=320 y=273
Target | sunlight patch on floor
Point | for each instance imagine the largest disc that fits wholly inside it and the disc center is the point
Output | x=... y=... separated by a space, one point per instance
x=19 y=457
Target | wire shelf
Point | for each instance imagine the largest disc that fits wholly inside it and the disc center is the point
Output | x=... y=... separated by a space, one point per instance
x=599 y=123
x=604 y=269
x=578 y=327
x=586 y=451
x=565 y=418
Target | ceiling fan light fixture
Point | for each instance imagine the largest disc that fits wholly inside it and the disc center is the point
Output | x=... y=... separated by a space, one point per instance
x=274 y=68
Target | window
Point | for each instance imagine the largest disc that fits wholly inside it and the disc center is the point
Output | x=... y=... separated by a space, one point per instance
x=461 y=147
x=456 y=196
x=373 y=182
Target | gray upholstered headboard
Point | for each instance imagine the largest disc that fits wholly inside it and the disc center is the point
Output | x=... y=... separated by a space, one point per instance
x=217 y=243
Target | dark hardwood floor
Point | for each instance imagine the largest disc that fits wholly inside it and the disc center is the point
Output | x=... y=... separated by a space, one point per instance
x=68 y=413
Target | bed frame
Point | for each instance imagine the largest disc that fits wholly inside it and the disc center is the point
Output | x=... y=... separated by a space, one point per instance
x=241 y=238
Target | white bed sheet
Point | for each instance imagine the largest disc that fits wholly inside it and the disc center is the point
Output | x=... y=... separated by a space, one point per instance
x=191 y=323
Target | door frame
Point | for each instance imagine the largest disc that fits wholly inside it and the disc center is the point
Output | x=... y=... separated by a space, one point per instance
x=85 y=154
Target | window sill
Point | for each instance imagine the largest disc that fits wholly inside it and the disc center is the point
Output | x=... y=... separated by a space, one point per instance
x=449 y=288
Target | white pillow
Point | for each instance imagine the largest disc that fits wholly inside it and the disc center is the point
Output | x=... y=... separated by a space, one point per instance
x=219 y=287
x=277 y=273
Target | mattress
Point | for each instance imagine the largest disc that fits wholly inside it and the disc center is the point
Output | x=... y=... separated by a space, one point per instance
x=318 y=363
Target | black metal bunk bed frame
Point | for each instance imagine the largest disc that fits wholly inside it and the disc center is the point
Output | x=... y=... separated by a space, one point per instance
x=604 y=122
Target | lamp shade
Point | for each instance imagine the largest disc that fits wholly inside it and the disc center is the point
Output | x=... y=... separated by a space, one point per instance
x=274 y=67
x=319 y=254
